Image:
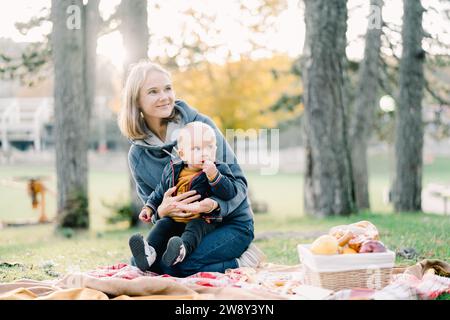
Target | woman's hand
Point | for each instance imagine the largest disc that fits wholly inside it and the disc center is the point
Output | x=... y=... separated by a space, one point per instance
x=207 y=205
x=169 y=205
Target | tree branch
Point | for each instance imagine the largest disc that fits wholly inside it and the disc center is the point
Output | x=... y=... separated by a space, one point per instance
x=443 y=101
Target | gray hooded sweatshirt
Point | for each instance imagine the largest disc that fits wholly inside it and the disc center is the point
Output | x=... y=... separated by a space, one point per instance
x=147 y=159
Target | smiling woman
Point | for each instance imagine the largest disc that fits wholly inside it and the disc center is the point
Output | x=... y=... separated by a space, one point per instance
x=150 y=109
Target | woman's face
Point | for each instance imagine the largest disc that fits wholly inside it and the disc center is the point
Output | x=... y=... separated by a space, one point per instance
x=156 y=96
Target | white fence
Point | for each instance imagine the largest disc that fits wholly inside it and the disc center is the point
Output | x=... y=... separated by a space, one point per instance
x=23 y=119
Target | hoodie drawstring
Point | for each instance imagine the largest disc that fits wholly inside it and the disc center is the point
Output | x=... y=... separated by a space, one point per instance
x=169 y=152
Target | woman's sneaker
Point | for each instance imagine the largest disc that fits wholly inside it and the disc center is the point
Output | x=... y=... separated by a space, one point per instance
x=252 y=257
x=144 y=255
x=175 y=252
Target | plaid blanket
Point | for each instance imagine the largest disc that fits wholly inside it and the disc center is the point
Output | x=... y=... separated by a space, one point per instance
x=405 y=286
x=416 y=283
x=280 y=280
x=208 y=279
x=410 y=285
x=123 y=281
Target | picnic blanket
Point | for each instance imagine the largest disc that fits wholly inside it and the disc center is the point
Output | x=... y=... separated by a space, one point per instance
x=426 y=280
x=123 y=281
x=270 y=281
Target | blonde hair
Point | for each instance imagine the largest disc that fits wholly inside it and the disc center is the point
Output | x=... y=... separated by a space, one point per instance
x=130 y=120
x=192 y=130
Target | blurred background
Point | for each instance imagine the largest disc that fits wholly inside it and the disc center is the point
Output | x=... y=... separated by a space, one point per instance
x=239 y=62
x=235 y=61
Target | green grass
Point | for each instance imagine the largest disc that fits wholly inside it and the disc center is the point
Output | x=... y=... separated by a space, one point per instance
x=105 y=187
x=427 y=234
x=283 y=192
x=40 y=253
x=43 y=254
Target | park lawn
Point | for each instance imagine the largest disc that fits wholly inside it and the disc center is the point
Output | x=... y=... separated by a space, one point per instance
x=110 y=188
x=106 y=188
x=37 y=252
x=41 y=254
x=283 y=192
x=427 y=234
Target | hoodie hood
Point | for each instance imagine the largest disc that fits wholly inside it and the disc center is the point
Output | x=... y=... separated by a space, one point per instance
x=186 y=114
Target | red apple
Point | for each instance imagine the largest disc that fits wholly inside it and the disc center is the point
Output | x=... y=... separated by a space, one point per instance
x=372 y=246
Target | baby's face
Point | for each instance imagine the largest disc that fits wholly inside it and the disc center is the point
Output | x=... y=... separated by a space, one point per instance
x=197 y=147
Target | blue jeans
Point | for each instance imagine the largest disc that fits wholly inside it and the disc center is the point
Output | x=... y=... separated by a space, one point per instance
x=216 y=252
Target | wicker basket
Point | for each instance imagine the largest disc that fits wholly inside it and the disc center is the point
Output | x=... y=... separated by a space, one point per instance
x=337 y=272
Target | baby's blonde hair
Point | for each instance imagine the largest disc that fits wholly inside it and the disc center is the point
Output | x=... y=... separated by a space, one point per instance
x=130 y=120
x=192 y=130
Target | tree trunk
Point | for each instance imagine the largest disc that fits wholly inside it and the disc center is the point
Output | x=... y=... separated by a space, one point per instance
x=328 y=178
x=365 y=107
x=93 y=21
x=135 y=33
x=134 y=29
x=71 y=113
x=409 y=126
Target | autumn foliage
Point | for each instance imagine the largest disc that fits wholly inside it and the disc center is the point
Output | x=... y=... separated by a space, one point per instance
x=239 y=94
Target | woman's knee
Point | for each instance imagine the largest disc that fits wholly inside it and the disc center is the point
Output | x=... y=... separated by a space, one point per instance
x=220 y=246
x=211 y=252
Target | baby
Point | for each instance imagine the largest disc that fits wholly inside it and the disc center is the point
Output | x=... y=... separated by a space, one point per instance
x=195 y=170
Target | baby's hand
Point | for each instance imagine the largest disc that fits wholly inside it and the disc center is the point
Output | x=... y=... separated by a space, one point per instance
x=210 y=169
x=145 y=215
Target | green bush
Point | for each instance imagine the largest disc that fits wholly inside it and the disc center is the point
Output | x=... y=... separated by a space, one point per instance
x=123 y=212
x=76 y=212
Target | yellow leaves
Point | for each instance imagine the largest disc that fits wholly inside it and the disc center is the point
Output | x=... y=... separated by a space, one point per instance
x=239 y=94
